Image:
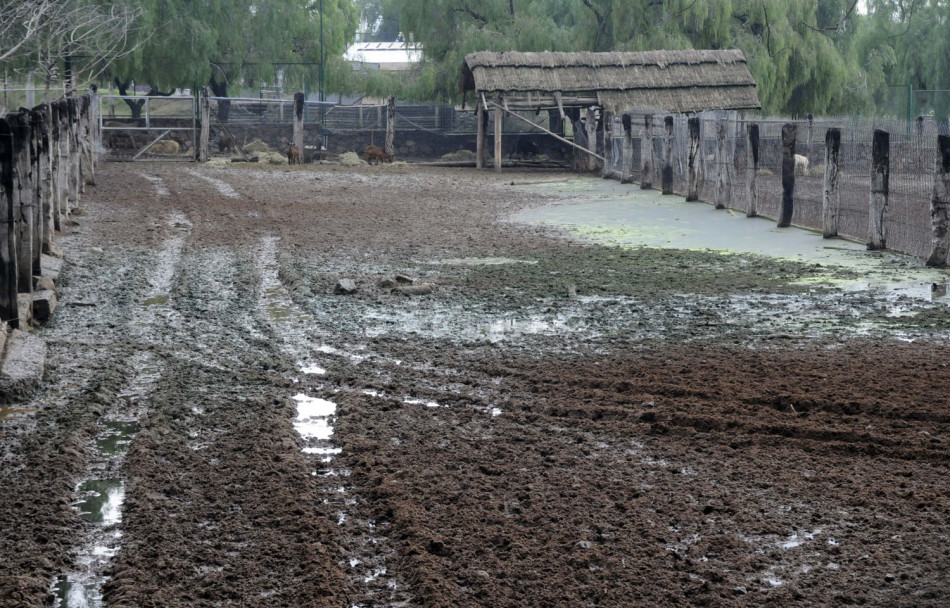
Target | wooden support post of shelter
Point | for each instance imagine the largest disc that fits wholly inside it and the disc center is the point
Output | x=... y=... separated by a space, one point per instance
x=481 y=115
x=692 y=169
x=626 y=167
x=940 y=205
x=789 y=131
x=9 y=308
x=592 y=138
x=389 y=146
x=608 y=145
x=499 y=123
x=831 y=197
x=752 y=170
x=298 y=122
x=667 y=175
x=646 y=153
x=204 y=105
x=880 y=176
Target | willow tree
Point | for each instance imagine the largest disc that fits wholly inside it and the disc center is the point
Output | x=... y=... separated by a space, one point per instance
x=227 y=43
x=797 y=49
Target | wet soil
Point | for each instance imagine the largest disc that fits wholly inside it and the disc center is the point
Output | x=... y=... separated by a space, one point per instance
x=558 y=423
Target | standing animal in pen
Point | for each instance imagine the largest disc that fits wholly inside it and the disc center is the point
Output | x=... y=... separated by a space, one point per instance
x=801 y=165
x=293 y=155
x=376 y=153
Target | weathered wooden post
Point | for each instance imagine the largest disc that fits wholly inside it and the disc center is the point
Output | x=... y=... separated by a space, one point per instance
x=940 y=205
x=626 y=169
x=38 y=170
x=723 y=158
x=95 y=137
x=752 y=170
x=919 y=143
x=789 y=131
x=62 y=164
x=75 y=142
x=591 y=138
x=46 y=182
x=9 y=308
x=667 y=176
x=23 y=199
x=880 y=176
x=646 y=153
x=499 y=122
x=389 y=146
x=692 y=171
x=811 y=124
x=298 y=122
x=204 y=106
x=831 y=198
x=608 y=145
x=480 y=148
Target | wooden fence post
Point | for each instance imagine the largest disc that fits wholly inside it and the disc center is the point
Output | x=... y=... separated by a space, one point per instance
x=204 y=106
x=789 y=131
x=37 y=120
x=23 y=199
x=940 y=205
x=591 y=138
x=880 y=176
x=626 y=169
x=298 y=122
x=646 y=153
x=9 y=308
x=95 y=136
x=723 y=158
x=389 y=146
x=75 y=179
x=692 y=170
x=831 y=198
x=666 y=179
x=61 y=183
x=47 y=179
x=752 y=169
x=608 y=144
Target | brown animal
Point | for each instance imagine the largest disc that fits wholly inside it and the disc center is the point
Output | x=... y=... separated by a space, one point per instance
x=226 y=143
x=293 y=155
x=378 y=154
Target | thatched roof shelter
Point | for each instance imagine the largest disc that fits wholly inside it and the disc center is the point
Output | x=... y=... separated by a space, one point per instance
x=669 y=81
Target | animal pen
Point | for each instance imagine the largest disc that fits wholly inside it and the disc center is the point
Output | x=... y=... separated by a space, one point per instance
x=671 y=120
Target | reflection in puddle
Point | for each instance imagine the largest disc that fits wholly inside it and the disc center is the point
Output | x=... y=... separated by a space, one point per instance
x=311 y=369
x=117 y=437
x=15 y=412
x=411 y=401
x=73 y=594
x=102 y=500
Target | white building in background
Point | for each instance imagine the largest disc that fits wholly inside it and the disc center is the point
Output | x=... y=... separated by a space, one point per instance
x=384 y=55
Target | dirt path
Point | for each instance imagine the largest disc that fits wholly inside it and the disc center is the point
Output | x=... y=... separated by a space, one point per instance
x=556 y=424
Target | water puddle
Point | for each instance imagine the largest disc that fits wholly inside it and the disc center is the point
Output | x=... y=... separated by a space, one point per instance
x=101 y=500
x=490 y=261
x=160 y=300
x=222 y=187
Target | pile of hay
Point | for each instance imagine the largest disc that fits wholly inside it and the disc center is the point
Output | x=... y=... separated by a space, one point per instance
x=350 y=159
x=271 y=158
x=219 y=163
x=256 y=147
x=461 y=155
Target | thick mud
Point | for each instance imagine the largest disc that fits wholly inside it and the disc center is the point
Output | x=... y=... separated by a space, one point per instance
x=549 y=422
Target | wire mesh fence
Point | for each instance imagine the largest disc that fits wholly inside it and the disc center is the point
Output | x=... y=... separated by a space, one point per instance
x=141 y=127
x=913 y=150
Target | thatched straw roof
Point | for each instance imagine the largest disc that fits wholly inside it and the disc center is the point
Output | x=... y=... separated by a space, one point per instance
x=672 y=81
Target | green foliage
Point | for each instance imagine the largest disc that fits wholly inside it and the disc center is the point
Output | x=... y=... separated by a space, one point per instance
x=234 y=42
x=807 y=56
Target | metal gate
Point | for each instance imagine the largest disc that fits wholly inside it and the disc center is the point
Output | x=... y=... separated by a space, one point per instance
x=148 y=128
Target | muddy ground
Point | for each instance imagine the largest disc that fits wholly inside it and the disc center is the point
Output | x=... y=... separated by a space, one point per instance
x=555 y=424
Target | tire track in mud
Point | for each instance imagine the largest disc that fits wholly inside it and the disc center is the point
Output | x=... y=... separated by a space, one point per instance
x=221 y=504
x=103 y=489
x=364 y=540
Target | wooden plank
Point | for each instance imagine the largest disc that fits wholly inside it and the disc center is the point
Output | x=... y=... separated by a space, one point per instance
x=940 y=205
x=499 y=122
